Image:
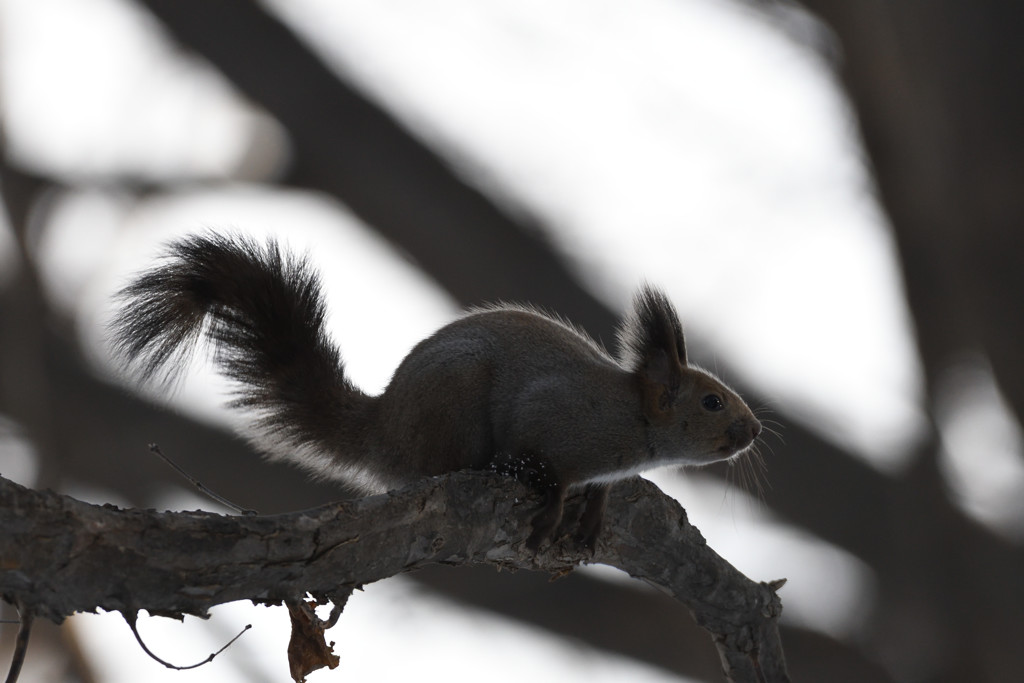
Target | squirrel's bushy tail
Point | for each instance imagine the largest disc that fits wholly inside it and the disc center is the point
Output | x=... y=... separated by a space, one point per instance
x=262 y=310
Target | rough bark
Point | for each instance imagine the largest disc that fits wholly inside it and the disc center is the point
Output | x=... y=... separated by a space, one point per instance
x=59 y=556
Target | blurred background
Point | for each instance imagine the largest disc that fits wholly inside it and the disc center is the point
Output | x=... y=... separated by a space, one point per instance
x=830 y=192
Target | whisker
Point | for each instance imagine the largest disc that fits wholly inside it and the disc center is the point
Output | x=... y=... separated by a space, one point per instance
x=758 y=476
x=766 y=405
x=730 y=481
x=769 y=447
x=773 y=427
x=748 y=473
x=761 y=468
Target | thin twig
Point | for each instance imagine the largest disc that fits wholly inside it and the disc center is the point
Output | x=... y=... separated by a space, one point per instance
x=338 y=602
x=20 y=646
x=154 y=448
x=131 y=621
x=335 y=614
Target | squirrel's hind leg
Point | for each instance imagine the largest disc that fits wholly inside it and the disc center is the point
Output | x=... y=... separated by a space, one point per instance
x=592 y=518
x=546 y=521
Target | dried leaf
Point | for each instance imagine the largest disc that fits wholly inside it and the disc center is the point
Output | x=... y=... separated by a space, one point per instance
x=307 y=649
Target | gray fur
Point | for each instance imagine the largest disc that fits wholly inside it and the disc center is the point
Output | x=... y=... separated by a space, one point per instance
x=505 y=387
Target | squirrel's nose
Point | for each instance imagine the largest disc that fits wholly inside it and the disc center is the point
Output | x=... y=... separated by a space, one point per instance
x=742 y=433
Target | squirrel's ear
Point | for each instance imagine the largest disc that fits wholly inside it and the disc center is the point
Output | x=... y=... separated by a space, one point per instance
x=651 y=345
x=660 y=378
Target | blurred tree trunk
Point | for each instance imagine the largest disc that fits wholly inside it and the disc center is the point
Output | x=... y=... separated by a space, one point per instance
x=937 y=88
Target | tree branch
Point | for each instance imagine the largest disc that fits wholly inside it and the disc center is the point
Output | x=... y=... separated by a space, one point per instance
x=59 y=555
x=20 y=647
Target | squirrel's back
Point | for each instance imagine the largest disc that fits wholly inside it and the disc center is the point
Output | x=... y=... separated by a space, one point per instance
x=491 y=384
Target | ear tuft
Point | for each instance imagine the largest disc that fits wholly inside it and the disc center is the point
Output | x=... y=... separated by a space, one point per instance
x=651 y=346
x=651 y=330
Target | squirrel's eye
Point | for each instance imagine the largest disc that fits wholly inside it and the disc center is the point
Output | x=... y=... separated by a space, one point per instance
x=712 y=402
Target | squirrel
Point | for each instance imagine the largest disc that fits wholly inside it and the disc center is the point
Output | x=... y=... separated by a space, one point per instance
x=505 y=388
